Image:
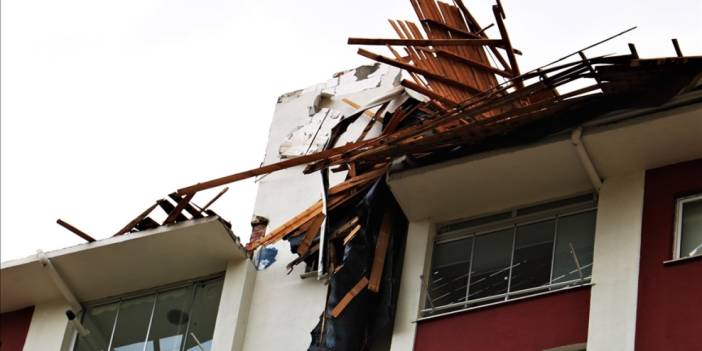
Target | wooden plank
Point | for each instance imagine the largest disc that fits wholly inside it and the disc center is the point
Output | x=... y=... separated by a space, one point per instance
x=514 y=67
x=422 y=71
x=472 y=63
x=378 y=116
x=411 y=85
x=297 y=161
x=356 y=106
x=178 y=209
x=209 y=203
x=352 y=234
x=188 y=207
x=453 y=30
x=295 y=222
x=358 y=180
x=344 y=228
x=346 y=300
x=426 y=42
x=136 y=220
x=310 y=235
x=75 y=231
x=381 y=249
x=676 y=46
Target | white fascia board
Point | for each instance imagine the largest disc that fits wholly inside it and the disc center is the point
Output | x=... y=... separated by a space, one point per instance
x=123 y=264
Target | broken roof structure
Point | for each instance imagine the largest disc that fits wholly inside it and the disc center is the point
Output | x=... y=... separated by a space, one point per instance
x=464 y=94
x=456 y=103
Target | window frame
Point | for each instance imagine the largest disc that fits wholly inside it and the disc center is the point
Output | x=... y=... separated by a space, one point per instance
x=155 y=291
x=512 y=219
x=677 y=236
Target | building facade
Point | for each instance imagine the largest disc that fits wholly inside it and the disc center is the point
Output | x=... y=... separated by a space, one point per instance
x=586 y=239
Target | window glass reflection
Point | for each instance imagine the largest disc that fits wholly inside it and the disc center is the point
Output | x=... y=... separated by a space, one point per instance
x=205 y=305
x=576 y=231
x=100 y=321
x=691 y=229
x=532 y=255
x=449 y=276
x=170 y=320
x=132 y=324
x=490 y=270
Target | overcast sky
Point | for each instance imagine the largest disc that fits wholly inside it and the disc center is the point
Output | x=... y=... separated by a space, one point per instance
x=110 y=105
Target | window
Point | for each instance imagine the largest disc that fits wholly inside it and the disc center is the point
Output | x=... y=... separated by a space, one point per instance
x=175 y=319
x=688 y=227
x=512 y=254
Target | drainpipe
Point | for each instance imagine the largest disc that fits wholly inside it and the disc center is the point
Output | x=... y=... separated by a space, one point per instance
x=68 y=295
x=585 y=160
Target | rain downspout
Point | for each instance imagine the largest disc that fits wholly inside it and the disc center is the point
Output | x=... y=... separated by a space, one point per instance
x=585 y=160
x=68 y=295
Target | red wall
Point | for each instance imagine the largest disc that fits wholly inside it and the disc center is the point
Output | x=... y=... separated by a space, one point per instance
x=536 y=323
x=13 y=329
x=669 y=315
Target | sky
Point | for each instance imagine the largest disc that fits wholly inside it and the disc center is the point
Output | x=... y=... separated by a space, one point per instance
x=107 y=106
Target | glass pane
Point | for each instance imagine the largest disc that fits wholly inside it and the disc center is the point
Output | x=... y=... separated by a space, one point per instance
x=170 y=320
x=579 y=231
x=449 y=274
x=532 y=255
x=99 y=320
x=203 y=316
x=132 y=324
x=691 y=229
x=490 y=269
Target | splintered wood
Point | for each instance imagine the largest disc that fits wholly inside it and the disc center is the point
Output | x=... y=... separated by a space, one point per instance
x=346 y=300
x=447 y=59
x=471 y=103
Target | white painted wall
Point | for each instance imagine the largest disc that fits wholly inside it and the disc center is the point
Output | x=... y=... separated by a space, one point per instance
x=419 y=238
x=615 y=269
x=230 y=327
x=48 y=329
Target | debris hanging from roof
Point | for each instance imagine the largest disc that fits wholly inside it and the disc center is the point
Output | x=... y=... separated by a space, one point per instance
x=355 y=233
x=456 y=102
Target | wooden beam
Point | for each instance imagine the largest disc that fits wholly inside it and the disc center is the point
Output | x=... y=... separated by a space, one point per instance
x=188 y=207
x=381 y=249
x=178 y=209
x=472 y=63
x=352 y=234
x=678 y=52
x=301 y=160
x=301 y=218
x=378 y=116
x=346 y=300
x=310 y=235
x=344 y=228
x=426 y=42
x=75 y=231
x=514 y=67
x=430 y=93
x=356 y=106
x=415 y=69
x=453 y=30
x=209 y=203
x=136 y=220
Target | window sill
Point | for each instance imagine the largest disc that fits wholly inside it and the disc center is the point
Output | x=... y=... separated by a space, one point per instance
x=503 y=302
x=682 y=260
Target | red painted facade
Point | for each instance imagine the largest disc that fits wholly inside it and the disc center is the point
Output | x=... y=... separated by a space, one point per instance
x=537 y=323
x=13 y=329
x=669 y=315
